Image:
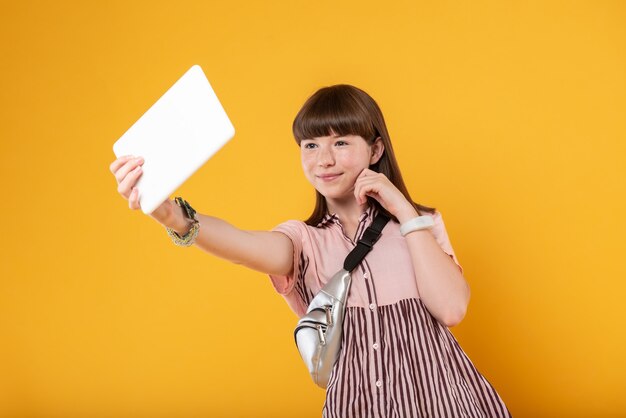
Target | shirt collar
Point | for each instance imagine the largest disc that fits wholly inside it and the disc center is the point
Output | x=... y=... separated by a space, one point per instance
x=366 y=216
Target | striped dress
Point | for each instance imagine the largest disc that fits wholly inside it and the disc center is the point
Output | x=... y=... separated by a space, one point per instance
x=396 y=359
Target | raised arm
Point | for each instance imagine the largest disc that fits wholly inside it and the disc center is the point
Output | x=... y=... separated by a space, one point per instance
x=440 y=282
x=267 y=252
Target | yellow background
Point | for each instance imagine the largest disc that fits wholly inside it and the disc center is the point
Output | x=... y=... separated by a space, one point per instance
x=509 y=117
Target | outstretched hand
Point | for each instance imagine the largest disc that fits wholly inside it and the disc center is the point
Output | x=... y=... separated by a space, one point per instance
x=379 y=187
x=127 y=171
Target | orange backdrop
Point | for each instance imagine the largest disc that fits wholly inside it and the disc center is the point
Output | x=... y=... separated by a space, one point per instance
x=506 y=116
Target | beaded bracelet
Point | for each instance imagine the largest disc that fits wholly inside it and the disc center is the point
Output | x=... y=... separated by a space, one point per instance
x=186 y=240
x=189 y=238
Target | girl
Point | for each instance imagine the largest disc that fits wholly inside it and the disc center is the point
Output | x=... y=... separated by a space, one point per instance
x=398 y=358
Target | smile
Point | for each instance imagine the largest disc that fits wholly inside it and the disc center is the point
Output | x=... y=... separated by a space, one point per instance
x=328 y=177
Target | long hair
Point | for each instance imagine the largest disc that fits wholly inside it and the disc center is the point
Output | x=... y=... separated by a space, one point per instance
x=347 y=110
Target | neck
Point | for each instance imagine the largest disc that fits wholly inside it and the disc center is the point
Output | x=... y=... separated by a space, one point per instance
x=347 y=211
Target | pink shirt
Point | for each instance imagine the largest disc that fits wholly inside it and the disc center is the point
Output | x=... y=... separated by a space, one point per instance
x=326 y=247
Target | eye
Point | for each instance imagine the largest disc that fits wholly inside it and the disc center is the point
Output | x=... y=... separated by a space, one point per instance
x=309 y=145
x=341 y=143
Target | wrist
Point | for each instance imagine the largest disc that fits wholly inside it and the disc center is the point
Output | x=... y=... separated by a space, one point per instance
x=179 y=221
x=183 y=227
x=164 y=214
x=406 y=214
x=172 y=216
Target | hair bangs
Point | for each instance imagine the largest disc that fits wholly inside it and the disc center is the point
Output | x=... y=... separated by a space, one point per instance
x=333 y=111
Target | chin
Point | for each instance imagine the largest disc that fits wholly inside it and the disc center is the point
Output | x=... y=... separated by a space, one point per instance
x=336 y=196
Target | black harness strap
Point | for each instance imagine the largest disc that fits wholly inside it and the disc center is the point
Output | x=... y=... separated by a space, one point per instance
x=367 y=241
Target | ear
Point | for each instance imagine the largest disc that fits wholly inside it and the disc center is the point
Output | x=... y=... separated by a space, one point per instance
x=377 y=150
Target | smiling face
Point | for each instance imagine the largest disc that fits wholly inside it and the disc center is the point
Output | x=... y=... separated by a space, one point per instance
x=333 y=163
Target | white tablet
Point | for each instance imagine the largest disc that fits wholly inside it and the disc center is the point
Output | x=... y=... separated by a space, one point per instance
x=176 y=136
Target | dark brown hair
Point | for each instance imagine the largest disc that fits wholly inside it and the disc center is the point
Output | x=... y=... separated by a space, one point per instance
x=347 y=110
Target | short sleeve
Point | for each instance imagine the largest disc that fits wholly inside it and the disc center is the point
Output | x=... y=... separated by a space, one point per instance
x=285 y=285
x=441 y=235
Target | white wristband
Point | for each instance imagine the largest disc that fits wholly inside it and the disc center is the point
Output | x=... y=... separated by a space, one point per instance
x=415 y=224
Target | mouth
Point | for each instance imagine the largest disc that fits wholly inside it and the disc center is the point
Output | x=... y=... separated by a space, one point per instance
x=329 y=177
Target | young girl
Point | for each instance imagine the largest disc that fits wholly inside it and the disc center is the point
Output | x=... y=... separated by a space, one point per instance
x=398 y=358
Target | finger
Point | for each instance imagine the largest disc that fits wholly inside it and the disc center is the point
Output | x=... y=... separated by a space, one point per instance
x=364 y=173
x=126 y=185
x=373 y=195
x=373 y=185
x=363 y=181
x=115 y=165
x=129 y=166
x=368 y=176
x=133 y=199
x=371 y=178
x=362 y=190
x=356 y=193
x=360 y=182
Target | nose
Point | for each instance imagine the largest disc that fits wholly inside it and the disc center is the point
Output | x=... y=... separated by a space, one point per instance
x=325 y=157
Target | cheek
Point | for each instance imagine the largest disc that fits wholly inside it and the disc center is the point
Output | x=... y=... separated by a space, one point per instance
x=352 y=161
x=307 y=166
x=306 y=161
